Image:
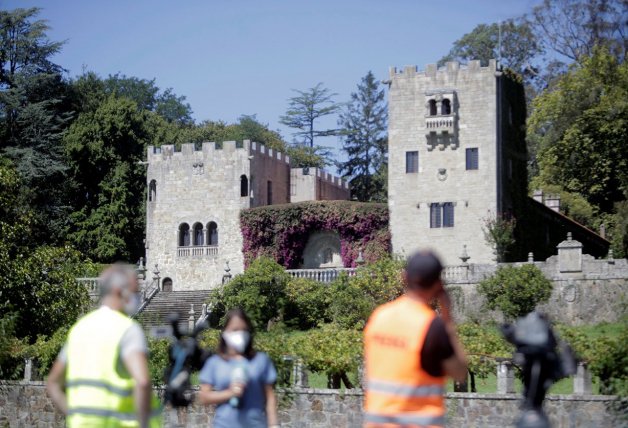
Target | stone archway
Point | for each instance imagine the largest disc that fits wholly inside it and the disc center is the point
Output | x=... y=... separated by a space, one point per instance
x=322 y=251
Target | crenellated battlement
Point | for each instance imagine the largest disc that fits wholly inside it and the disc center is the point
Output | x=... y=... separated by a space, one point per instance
x=453 y=67
x=331 y=179
x=210 y=149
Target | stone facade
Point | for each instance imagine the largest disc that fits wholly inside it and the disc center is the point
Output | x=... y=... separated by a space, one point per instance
x=25 y=404
x=456 y=121
x=314 y=184
x=194 y=202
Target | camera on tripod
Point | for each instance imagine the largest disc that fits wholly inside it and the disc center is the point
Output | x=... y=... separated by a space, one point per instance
x=185 y=357
x=543 y=360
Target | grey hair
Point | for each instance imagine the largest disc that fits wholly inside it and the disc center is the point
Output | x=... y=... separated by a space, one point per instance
x=116 y=277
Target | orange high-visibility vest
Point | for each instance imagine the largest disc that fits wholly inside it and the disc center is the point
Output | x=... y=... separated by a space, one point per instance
x=397 y=391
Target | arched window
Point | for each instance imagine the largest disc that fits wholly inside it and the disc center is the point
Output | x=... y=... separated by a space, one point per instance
x=244 y=186
x=445 y=108
x=184 y=235
x=152 y=191
x=198 y=234
x=166 y=285
x=432 y=107
x=212 y=233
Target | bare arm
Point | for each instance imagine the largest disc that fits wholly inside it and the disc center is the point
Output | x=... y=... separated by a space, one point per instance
x=456 y=365
x=271 y=406
x=136 y=364
x=55 y=386
x=207 y=395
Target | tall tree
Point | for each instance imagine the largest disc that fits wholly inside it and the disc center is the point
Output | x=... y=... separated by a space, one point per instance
x=104 y=148
x=33 y=114
x=573 y=28
x=305 y=109
x=364 y=123
x=519 y=46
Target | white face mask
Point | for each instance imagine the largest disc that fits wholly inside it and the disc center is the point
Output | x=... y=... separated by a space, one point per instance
x=132 y=305
x=237 y=340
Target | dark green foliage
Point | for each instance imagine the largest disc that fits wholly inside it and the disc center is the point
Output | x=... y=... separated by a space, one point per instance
x=104 y=148
x=519 y=45
x=499 y=234
x=482 y=345
x=609 y=361
x=516 y=291
x=281 y=231
x=363 y=124
x=46 y=349
x=259 y=291
x=157 y=359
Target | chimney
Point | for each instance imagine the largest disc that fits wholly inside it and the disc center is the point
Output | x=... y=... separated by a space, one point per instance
x=538 y=195
x=553 y=202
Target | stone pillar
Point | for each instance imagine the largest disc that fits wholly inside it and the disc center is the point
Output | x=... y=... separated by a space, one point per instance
x=28 y=369
x=299 y=374
x=569 y=255
x=582 y=380
x=191 y=319
x=505 y=377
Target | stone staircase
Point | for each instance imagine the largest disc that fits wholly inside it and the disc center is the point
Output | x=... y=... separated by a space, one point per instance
x=165 y=303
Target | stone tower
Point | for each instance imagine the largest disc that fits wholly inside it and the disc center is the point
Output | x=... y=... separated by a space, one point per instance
x=195 y=198
x=456 y=155
x=194 y=203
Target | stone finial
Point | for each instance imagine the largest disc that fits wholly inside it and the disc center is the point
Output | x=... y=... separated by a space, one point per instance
x=227 y=275
x=360 y=260
x=530 y=257
x=156 y=273
x=610 y=257
x=464 y=256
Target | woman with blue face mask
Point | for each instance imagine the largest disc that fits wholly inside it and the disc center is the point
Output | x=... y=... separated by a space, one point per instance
x=239 y=380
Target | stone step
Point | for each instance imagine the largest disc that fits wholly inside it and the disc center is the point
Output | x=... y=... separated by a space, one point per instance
x=165 y=303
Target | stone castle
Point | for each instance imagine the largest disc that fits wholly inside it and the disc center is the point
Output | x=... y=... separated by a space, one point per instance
x=195 y=198
x=457 y=155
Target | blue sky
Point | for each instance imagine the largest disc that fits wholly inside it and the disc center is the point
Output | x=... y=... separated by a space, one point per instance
x=243 y=57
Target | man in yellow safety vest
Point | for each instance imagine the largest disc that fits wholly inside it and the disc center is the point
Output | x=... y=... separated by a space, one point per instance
x=100 y=378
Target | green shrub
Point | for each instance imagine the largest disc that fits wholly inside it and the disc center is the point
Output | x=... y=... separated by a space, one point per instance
x=307 y=303
x=482 y=344
x=611 y=363
x=259 y=291
x=157 y=359
x=516 y=291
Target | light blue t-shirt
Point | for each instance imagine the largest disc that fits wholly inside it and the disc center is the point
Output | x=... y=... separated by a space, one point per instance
x=251 y=411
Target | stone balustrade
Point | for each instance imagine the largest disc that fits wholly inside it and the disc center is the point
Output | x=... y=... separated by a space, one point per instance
x=198 y=251
x=90 y=283
x=320 y=275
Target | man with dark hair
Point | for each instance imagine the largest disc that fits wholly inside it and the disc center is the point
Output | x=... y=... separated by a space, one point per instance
x=100 y=378
x=409 y=351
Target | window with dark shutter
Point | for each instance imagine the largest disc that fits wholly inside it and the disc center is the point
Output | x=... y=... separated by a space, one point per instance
x=472 y=158
x=412 y=162
x=435 y=215
x=448 y=214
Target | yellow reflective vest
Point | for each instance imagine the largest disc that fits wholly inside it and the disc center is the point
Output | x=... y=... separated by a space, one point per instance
x=98 y=394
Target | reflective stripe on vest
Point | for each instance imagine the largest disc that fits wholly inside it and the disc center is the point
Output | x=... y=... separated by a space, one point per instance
x=405 y=390
x=122 y=392
x=397 y=389
x=410 y=419
x=98 y=394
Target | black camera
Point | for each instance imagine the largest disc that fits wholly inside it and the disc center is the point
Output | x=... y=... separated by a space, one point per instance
x=185 y=357
x=543 y=360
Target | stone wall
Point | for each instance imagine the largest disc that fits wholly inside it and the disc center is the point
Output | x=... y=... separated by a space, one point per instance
x=314 y=184
x=586 y=290
x=27 y=405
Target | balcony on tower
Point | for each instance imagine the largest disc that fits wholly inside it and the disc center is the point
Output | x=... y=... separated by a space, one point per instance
x=441 y=119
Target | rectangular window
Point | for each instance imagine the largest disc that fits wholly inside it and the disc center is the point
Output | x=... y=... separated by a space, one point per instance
x=269 y=192
x=472 y=158
x=448 y=214
x=435 y=215
x=412 y=162
x=442 y=215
